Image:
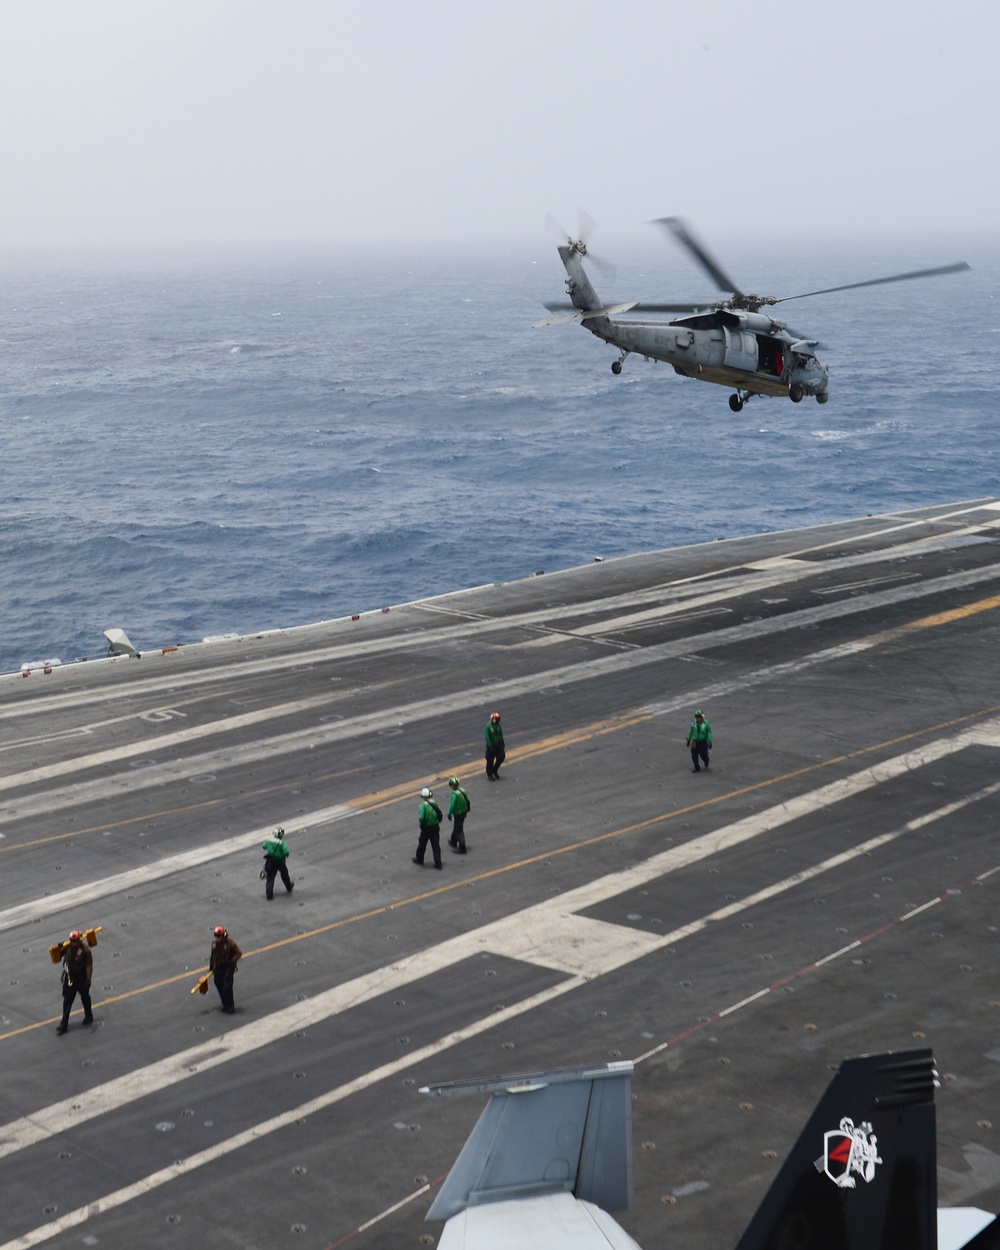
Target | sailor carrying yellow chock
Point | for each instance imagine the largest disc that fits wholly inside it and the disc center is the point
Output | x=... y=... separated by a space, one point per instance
x=78 y=969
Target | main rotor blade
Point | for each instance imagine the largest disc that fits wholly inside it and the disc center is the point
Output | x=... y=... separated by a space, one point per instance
x=682 y=233
x=565 y=305
x=705 y=305
x=957 y=267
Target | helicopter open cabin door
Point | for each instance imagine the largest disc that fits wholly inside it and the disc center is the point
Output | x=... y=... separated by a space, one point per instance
x=772 y=355
x=741 y=350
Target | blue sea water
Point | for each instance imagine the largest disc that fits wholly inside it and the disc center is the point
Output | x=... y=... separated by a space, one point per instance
x=221 y=442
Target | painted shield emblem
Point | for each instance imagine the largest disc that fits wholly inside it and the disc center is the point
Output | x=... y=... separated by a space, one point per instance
x=837 y=1158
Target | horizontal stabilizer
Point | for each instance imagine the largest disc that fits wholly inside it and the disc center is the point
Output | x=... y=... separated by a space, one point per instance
x=584 y=314
x=567 y=1131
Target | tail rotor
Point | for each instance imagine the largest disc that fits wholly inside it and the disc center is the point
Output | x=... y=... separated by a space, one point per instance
x=586 y=227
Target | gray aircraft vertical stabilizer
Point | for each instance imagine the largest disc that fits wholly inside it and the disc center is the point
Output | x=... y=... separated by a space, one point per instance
x=566 y=1131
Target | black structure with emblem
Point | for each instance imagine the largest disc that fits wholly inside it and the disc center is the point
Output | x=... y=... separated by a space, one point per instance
x=863 y=1171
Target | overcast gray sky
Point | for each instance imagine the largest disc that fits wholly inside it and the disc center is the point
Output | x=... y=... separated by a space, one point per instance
x=246 y=121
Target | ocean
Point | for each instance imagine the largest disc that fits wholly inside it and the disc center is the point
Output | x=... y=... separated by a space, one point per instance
x=218 y=442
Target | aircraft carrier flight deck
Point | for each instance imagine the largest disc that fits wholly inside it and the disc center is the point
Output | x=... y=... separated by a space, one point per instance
x=827 y=887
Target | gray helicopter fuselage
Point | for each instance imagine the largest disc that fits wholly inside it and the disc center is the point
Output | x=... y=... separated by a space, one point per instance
x=731 y=342
x=723 y=347
x=748 y=351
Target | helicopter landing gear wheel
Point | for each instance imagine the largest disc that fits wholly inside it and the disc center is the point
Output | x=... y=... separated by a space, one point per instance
x=736 y=403
x=822 y=397
x=795 y=393
x=616 y=367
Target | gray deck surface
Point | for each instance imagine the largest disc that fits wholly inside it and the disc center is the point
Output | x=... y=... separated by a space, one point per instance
x=828 y=888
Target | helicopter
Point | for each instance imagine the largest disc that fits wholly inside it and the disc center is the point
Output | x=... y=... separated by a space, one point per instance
x=732 y=342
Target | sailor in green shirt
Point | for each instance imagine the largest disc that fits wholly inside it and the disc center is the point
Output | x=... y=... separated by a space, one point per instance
x=458 y=809
x=699 y=739
x=275 y=857
x=496 y=753
x=429 y=819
